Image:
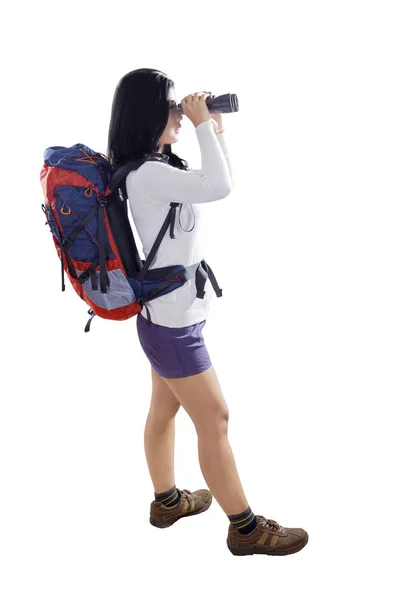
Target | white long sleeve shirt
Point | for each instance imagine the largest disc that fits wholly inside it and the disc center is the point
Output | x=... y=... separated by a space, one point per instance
x=150 y=189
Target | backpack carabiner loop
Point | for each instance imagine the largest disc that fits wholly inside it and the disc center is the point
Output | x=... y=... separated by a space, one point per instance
x=65 y=213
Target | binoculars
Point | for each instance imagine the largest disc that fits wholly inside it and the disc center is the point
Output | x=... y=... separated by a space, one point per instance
x=226 y=103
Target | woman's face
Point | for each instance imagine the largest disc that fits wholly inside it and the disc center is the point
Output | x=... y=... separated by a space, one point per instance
x=170 y=134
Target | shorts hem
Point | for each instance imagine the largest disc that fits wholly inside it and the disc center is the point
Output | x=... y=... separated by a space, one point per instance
x=196 y=372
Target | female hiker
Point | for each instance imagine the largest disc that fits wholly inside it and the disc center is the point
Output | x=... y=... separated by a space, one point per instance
x=145 y=120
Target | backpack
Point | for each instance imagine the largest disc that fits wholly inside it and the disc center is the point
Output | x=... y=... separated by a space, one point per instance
x=87 y=213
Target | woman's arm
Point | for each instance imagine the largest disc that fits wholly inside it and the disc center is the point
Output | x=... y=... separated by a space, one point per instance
x=162 y=183
x=222 y=142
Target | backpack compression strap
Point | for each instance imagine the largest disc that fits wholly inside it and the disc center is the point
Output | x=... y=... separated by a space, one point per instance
x=63 y=247
x=98 y=208
x=104 y=279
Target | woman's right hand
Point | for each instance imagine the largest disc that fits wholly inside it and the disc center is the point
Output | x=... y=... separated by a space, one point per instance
x=195 y=108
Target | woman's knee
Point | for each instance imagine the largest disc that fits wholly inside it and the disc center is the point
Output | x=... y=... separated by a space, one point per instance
x=202 y=398
x=213 y=425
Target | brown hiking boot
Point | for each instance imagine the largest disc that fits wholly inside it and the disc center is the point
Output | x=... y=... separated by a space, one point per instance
x=268 y=537
x=190 y=503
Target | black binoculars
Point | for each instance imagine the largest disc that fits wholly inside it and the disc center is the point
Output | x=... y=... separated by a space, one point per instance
x=226 y=103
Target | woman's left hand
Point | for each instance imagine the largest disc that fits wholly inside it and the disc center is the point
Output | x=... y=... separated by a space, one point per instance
x=217 y=122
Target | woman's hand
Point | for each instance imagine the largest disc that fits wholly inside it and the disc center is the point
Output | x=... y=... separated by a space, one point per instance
x=195 y=108
x=216 y=119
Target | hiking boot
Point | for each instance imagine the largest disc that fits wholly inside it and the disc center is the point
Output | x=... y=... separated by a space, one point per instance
x=268 y=537
x=190 y=503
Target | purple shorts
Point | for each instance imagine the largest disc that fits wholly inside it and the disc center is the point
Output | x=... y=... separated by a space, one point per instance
x=174 y=351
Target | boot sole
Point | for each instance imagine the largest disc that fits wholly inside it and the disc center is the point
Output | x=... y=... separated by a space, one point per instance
x=263 y=550
x=163 y=524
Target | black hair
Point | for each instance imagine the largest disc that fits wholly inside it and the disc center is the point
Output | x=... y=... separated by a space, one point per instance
x=139 y=115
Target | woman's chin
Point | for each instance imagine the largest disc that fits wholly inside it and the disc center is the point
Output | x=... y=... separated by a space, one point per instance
x=174 y=138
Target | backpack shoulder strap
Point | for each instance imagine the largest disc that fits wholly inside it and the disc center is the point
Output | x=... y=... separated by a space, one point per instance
x=118 y=180
x=169 y=220
x=122 y=172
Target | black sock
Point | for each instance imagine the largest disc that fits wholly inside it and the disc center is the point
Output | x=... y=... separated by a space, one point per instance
x=168 y=498
x=244 y=522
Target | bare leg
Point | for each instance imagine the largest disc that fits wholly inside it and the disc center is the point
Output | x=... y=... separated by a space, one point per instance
x=218 y=466
x=159 y=435
x=202 y=398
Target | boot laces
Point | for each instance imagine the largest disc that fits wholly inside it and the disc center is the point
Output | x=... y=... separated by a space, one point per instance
x=186 y=494
x=269 y=523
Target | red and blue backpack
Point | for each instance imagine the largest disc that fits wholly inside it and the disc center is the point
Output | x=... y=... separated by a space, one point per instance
x=87 y=213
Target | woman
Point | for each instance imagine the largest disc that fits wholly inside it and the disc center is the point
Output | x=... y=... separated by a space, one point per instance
x=145 y=120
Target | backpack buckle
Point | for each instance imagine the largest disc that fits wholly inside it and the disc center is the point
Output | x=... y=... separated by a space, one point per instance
x=83 y=277
x=65 y=244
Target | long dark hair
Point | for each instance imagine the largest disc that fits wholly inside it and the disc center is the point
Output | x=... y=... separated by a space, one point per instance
x=139 y=115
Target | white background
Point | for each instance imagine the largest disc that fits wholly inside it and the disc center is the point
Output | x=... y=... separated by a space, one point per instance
x=305 y=340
